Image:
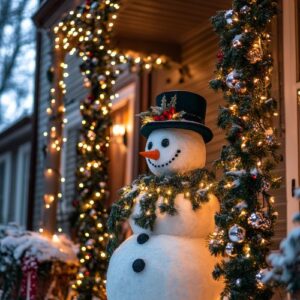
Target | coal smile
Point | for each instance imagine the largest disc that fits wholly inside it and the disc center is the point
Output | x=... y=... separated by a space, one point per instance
x=167 y=163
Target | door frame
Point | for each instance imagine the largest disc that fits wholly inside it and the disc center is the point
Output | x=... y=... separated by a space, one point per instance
x=290 y=105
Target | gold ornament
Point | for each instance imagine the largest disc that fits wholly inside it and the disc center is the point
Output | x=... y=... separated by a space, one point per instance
x=255 y=54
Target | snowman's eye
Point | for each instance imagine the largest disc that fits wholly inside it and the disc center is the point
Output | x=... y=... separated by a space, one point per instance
x=165 y=143
x=150 y=145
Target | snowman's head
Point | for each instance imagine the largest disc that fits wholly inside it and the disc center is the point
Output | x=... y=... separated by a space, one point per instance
x=174 y=150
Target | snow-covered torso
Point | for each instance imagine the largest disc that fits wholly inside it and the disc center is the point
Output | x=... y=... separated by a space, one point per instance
x=177 y=262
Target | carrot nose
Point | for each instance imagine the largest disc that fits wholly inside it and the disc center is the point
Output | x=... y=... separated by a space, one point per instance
x=153 y=154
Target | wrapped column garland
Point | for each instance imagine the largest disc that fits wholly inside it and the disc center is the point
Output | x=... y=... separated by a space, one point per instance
x=246 y=220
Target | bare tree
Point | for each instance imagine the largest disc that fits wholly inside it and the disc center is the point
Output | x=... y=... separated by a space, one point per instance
x=16 y=39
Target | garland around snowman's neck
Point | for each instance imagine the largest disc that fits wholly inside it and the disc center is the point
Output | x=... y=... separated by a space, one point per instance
x=195 y=185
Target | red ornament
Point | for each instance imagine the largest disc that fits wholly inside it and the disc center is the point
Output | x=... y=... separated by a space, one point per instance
x=220 y=56
x=75 y=203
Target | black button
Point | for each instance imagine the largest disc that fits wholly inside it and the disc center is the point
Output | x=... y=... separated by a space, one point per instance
x=138 y=265
x=142 y=238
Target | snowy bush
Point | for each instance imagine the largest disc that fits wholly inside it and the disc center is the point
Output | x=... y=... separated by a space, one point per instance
x=18 y=246
x=286 y=264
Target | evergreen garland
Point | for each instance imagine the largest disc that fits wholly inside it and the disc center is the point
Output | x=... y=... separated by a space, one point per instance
x=245 y=223
x=195 y=185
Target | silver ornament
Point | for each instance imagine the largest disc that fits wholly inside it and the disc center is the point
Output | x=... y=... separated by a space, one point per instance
x=101 y=78
x=236 y=42
x=258 y=221
x=237 y=234
x=229 y=250
x=95 y=60
x=238 y=282
x=241 y=205
x=260 y=278
x=232 y=79
x=260 y=275
x=230 y=16
x=245 y=10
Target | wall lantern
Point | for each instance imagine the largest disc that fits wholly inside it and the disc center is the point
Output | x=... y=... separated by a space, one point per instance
x=120 y=133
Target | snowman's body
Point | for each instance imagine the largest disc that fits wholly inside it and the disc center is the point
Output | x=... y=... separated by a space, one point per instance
x=172 y=262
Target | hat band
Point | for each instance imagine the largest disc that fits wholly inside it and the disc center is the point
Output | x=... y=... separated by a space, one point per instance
x=192 y=117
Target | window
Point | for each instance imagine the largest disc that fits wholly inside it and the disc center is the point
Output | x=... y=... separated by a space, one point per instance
x=22 y=172
x=5 y=174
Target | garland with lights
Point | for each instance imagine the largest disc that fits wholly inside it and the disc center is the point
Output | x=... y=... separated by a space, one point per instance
x=245 y=223
x=87 y=32
x=195 y=185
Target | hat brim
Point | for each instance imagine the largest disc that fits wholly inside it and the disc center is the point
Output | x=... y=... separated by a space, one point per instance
x=184 y=124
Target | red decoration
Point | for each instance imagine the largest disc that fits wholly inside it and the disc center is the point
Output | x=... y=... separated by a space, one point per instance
x=166 y=115
x=75 y=203
x=29 y=278
x=220 y=56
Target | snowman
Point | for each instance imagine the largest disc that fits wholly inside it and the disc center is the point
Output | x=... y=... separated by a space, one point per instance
x=171 y=212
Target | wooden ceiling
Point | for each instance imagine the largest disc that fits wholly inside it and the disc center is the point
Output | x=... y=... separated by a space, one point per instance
x=166 y=21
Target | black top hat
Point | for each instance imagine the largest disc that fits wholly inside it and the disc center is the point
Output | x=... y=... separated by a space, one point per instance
x=177 y=109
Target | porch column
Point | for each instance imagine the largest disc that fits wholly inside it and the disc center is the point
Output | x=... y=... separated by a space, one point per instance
x=52 y=182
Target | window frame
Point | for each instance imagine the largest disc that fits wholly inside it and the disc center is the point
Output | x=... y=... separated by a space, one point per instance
x=21 y=209
x=6 y=158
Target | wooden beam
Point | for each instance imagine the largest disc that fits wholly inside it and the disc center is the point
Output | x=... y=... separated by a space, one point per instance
x=172 y=50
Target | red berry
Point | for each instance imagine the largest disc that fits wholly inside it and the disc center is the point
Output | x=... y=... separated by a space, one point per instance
x=172 y=110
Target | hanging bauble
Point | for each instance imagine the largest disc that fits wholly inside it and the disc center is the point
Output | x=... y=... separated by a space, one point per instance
x=269 y=135
x=260 y=275
x=237 y=41
x=241 y=205
x=240 y=87
x=255 y=54
x=229 y=250
x=237 y=234
x=94 y=5
x=245 y=10
x=258 y=221
x=95 y=60
x=232 y=79
x=86 y=82
x=101 y=78
x=102 y=184
x=238 y=282
x=220 y=56
x=266 y=185
x=259 y=278
x=230 y=17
